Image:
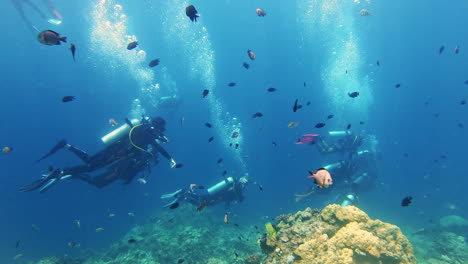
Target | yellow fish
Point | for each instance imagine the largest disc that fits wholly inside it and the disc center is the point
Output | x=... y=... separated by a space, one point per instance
x=99 y=229
x=293 y=124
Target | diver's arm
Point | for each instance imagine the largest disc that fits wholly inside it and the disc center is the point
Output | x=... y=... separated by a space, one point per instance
x=160 y=149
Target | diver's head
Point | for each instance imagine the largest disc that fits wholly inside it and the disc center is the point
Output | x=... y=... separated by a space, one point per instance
x=159 y=124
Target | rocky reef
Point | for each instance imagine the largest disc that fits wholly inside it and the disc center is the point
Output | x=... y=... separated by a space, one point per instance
x=336 y=235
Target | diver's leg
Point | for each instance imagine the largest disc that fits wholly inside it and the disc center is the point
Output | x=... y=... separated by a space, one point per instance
x=34 y=6
x=78 y=152
x=52 y=10
x=19 y=7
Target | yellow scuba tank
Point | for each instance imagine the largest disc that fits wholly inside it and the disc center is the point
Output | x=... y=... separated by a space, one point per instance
x=119 y=132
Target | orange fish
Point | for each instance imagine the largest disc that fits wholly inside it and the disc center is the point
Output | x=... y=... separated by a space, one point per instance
x=202 y=206
x=112 y=122
x=322 y=178
x=260 y=12
x=226 y=218
x=251 y=54
x=192 y=186
x=7 y=150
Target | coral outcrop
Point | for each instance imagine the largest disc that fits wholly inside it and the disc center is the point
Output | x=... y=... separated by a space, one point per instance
x=337 y=234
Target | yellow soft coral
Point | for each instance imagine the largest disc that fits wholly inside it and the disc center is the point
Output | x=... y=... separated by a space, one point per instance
x=270 y=234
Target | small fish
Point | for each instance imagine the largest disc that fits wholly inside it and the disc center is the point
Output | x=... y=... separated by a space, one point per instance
x=50 y=38
x=236 y=146
x=201 y=206
x=6 y=150
x=251 y=54
x=462 y=102
x=405 y=155
x=271 y=89
x=192 y=13
x=364 y=12
x=210 y=139
x=220 y=160
x=348 y=126
x=224 y=173
x=154 y=63
x=17 y=244
x=246 y=65
x=236 y=225
x=174 y=205
x=362 y=122
x=99 y=229
x=205 y=93
x=230 y=145
x=320 y=125
x=460 y=125
x=180 y=261
x=465 y=82
x=406 y=201
x=295 y=106
x=231 y=84
x=353 y=94
x=73 y=244
x=226 y=218
x=274 y=144
x=308 y=103
x=78 y=223
x=112 y=122
x=208 y=125
x=18 y=256
x=240 y=238
x=132 y=45
x=293 y=124
x=142 y=180
x=330 y=116
x=322 y=178
x=235 y=134
x=182 y=121
x=378 y=63
x=73 y=50
x=305 y=84
x=457 y=49
x=68 y=98
x=258 y=114
x=260 y=12
x=441 y=49
x=35 y=227
x=131 y=241
x=260 y=187
x=346 y=72
x=178 y=165
x=397 y=85
x=237 y=255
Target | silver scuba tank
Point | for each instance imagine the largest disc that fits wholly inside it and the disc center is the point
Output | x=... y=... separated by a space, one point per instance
x=119 y=132
x=222 y=185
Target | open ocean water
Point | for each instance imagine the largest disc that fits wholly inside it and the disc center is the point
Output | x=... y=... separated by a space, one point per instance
x=316 y=51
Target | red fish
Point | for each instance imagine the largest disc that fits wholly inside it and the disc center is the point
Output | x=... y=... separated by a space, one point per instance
x=260 y=12
x=251 y=54
x=322 y=178
x=308 y=138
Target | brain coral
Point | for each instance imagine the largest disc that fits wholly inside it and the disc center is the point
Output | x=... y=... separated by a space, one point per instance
x=342 y=235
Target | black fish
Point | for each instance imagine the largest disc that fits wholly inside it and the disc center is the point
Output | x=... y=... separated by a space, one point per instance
x=353 y=94
x=191 y=12
x=73 y=49
x=299 y=107
x=68 y=98
x=208 y=125
x=17 y=244
x=154 y=63
x=441 y=49
x=224 y=173
x=320 y=125
x=305 y=84
x=465 y=82
x=460 y=125
x=457 y=49
x=274 y=144
x=237 y=255
x=271 y=89
x=246 y=65
x=405 y=155
x=174 y=205
x=178 y=165
x=406 y=201
x=210 y=139
x=180 y=261
x=132 y=45
x=220 y=160
x=131 y=241
x=231 y=84
x=50 y=37
x=295 y=106
x=330 y=116
x=462 y=102
x=362 y=122
x=260 y=187
x=397 y=85
x=258 y=114
x=308 y=103
x=256 y=227
x=236 y=225
x=230 y=144
x=348 y=126
x=378 y=63
x=205 y=93
x=237 y=145
x=240 y=238
x=235 y=134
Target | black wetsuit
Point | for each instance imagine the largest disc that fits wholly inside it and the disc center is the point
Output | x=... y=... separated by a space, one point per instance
x=230 y=194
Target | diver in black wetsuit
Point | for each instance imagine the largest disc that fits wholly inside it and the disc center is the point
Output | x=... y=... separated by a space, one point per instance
x=226 y=191
x=130 y=150
x=19 y=5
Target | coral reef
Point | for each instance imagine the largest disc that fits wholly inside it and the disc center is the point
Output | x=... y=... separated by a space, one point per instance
x=338 y=235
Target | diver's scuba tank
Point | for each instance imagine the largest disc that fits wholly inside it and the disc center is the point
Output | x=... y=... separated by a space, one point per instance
x=224 y=184
x=333 y=166
x=119 y=132
x=339 y=133
x=349 y=199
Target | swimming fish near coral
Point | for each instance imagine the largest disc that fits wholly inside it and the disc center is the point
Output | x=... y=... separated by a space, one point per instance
x=322 y=178
x=406 y=201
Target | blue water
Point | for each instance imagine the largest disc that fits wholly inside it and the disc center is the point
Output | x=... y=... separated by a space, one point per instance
x=314 y=41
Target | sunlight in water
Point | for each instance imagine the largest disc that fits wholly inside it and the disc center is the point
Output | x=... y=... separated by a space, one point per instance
x=194 y=41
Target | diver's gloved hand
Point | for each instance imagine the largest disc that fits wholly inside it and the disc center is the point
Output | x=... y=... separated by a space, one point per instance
x=173 y=163
x=243 y=180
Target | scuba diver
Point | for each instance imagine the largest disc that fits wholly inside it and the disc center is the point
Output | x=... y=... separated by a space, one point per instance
x=356 y=169
x=57 y=17
x=228 y=190
x=129 y=151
